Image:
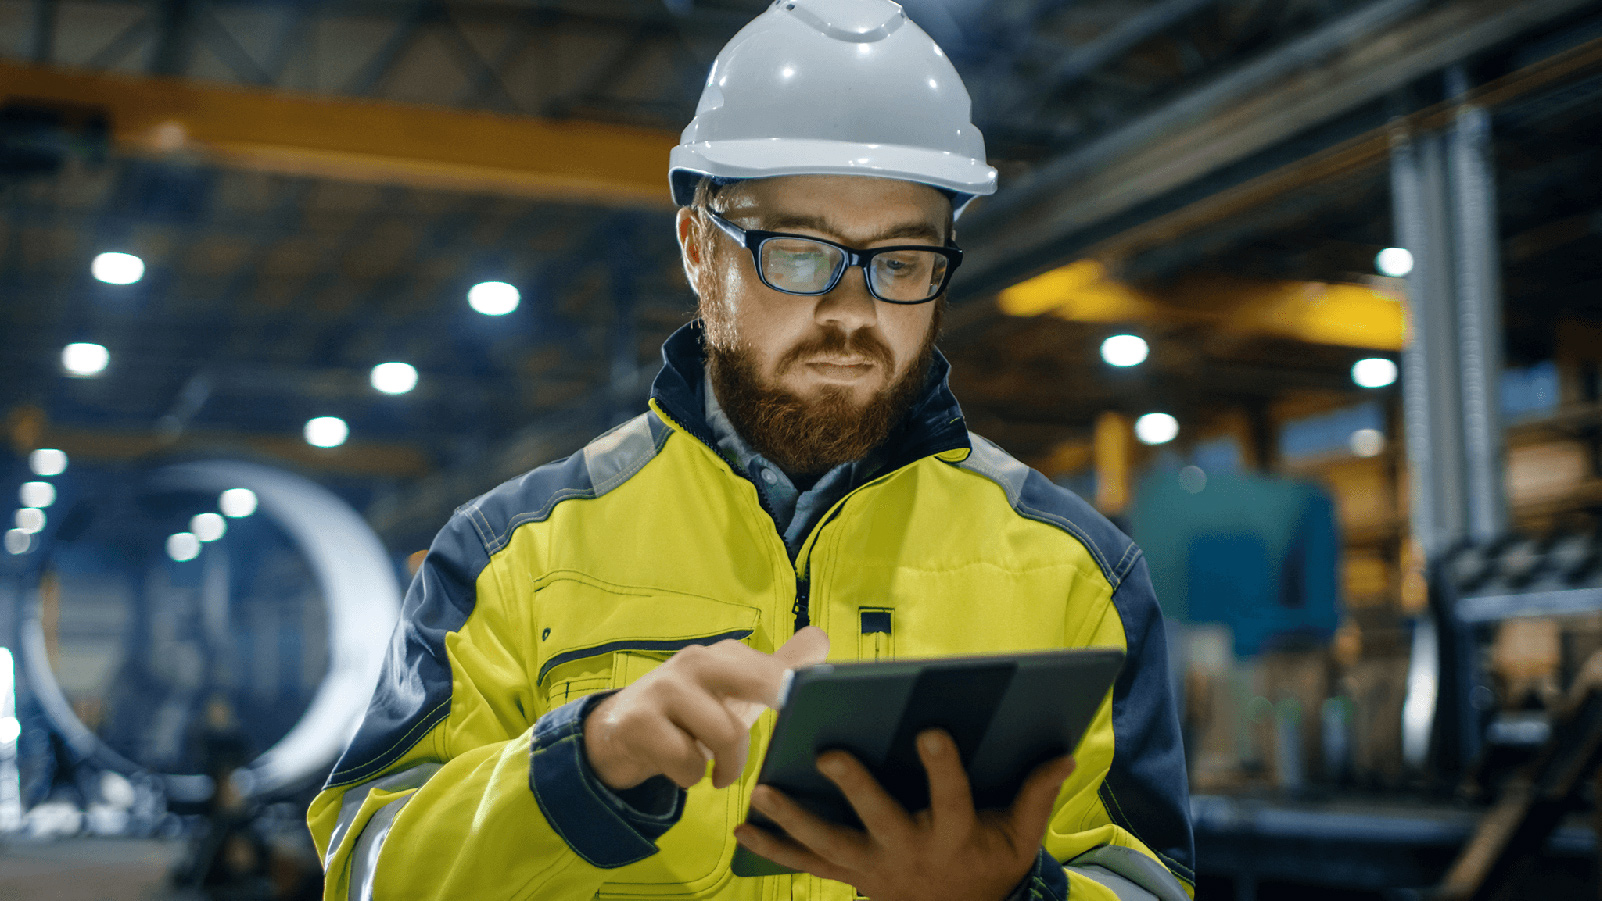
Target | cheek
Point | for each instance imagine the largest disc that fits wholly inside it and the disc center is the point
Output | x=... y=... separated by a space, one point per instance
x=905 y=329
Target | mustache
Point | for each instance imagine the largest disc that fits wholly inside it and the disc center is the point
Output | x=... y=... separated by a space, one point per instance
x=834 y=342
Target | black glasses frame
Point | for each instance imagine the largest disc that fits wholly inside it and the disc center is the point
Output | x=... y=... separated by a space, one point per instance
x=752 y=239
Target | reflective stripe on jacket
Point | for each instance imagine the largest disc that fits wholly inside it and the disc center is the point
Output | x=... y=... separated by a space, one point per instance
x=584 y=574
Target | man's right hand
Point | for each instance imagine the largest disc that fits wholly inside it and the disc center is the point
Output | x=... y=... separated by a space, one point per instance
x=698 y=706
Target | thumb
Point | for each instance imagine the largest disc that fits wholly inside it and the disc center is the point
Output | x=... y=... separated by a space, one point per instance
x=805 y=648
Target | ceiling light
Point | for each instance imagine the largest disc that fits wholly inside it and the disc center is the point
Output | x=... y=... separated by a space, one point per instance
x=237 y=502
x=1124 y=350
x=394 y=378
x=37 y=494
x=85 y=360
x=208 y=526
x=47 y=461
x=1368 y=442
x=1156 y=428
x=493 y=298
x=1395 y=262
x=30 y=519
x=116 y=268
x=1374 y=372
x=183 y=546
x=18 y=541
x=326 y=431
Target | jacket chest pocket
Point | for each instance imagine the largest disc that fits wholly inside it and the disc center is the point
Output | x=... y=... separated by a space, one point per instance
x=595 y=636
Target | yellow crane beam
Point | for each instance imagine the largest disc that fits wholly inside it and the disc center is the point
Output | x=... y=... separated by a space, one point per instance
x=360 y=140
x=1342 y=315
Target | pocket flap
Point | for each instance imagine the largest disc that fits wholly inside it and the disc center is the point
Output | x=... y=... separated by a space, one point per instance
x=580 y=616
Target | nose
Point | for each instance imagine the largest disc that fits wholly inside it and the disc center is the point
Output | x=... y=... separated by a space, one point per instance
x=849 y=306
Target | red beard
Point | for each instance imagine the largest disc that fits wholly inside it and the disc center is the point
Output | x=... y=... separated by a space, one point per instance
x=808 y=437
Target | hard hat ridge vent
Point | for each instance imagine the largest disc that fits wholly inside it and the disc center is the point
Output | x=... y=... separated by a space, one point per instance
x=858 y=21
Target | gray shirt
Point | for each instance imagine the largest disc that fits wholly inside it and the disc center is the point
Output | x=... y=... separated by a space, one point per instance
x=795 y=511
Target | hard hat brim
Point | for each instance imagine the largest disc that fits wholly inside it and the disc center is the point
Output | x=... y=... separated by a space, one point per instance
x=770 y=157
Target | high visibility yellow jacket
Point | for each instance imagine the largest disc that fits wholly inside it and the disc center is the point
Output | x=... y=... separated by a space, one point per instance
x=466 y=779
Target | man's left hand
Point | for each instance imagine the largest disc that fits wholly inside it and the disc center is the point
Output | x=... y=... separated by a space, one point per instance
x=949 y=851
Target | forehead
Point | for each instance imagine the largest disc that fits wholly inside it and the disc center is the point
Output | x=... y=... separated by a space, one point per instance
x=850 y=207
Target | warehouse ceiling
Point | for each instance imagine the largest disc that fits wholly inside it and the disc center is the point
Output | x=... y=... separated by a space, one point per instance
x=315 y=186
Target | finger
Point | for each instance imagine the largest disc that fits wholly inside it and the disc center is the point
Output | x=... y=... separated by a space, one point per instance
x=805 y=648
x=667 y=749
x=1032 y=808
x=787 y=853
x=950 y=796
x=886 y=820
x=715 y=729
x=838 y=845
x=731 y=670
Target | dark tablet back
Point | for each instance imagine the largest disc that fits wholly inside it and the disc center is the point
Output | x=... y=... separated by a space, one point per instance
x=1008 y=714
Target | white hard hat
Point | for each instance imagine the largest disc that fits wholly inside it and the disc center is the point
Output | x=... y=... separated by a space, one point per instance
x=833 y=87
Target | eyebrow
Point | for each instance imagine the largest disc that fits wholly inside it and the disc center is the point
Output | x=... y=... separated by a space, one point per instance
x=818 y=223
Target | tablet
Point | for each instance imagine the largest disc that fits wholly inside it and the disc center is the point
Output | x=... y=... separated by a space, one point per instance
x=1008 y=714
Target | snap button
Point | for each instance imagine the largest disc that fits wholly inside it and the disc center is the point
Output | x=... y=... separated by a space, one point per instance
x=769 y=477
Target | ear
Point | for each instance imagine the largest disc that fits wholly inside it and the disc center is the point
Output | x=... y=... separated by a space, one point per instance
x=690 y=251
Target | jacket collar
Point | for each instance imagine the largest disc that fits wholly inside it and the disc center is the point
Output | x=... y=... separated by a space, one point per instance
x=933 y=425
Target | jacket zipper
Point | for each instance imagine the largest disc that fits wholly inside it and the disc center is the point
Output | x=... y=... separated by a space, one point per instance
x=802 y=595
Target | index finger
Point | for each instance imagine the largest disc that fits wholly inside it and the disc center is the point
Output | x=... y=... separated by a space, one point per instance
x=733 y=671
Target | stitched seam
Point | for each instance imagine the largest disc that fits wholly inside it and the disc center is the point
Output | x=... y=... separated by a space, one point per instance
x=539 y=515
x=1126 y=564
x=625 y=644
x=474 y=518
x=498 y=542
x=534 y=783
x=1129 y=825
x=1081 y=534
x=358 y=773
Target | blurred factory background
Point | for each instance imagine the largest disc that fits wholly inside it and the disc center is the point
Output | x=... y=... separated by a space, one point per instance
x=1307 y=294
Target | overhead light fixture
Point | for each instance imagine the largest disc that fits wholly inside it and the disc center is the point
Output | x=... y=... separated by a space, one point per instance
x=37 y=494
x=117 y=268
x=394 y=377
x=1374 y=372
x=30 y=520
x=1368 y=442
x=1395 y=262
x=1156 y=428
x=493 y=298
x=237 y=503
x=183 y=546
x=18 y=541
x=84 y=360
x=1125 y=350
x=326 y=431
x=208 y=526
x=47 y=462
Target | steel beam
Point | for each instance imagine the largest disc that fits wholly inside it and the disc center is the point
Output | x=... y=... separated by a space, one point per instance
x=1338 y=315
x=1115 y=43
x=1478 y=274
x=364 y=141
x=1054 y=212
x=1431 y=405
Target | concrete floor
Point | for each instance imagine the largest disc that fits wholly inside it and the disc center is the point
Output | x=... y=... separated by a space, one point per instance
x=87 y=869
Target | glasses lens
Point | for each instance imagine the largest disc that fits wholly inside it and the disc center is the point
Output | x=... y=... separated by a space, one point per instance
x=799 y=265
x=908 y=275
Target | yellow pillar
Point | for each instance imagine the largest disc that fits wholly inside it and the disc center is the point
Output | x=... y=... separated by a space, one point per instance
x=1114 y=453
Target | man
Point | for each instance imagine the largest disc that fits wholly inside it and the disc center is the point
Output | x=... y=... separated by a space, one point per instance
x=567 y=709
